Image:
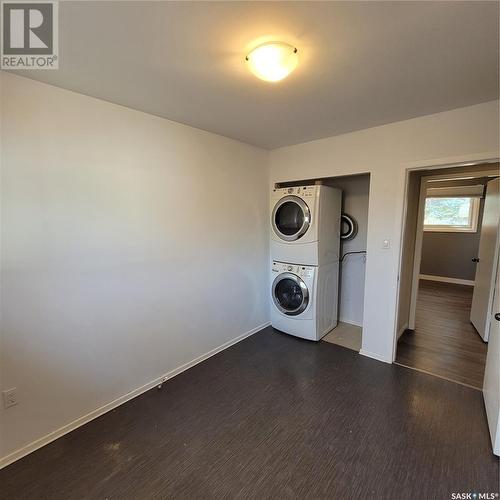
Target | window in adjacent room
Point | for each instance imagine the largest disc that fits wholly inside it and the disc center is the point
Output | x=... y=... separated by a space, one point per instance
x=451 y=214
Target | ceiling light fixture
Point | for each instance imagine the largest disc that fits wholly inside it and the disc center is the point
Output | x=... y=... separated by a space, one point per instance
x=272 y=61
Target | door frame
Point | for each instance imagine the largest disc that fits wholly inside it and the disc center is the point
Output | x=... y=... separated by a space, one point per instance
x=419 y=236
x=465 y=161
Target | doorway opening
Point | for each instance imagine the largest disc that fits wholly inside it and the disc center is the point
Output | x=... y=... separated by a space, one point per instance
x=447 y=273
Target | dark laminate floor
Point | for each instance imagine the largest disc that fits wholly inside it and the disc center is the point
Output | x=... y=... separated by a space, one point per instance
x=274 y=417
x=444 y=342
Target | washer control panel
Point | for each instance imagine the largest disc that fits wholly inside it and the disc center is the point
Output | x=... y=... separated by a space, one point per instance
x=302 y=271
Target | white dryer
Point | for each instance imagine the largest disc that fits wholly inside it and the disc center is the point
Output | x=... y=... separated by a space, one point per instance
x=304 y=299
x=305 y=224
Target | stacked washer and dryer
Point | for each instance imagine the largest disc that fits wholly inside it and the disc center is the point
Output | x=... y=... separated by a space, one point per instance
x=305 y=246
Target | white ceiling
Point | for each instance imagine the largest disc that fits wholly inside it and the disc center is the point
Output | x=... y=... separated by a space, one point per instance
x=361 y=63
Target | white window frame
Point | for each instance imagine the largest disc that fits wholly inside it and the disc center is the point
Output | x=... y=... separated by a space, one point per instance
x=473 y=218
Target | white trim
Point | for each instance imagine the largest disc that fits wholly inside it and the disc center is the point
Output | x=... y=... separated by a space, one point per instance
x=445 y=279
x=403 y=227
x=374 y=355
x=350 y=321
x=65 y=429
x=417 y=255
x=451 y=229
x=467 y=191
x=402 y=330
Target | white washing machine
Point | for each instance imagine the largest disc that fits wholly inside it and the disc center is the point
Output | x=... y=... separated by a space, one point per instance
x=304 y=299
x=305 y=224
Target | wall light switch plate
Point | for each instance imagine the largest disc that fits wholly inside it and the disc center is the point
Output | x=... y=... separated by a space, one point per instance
x=386 y=244
x=10 y=397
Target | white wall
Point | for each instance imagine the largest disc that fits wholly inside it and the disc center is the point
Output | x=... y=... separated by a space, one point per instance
x=122 y=236
x=470 y=133
x=130 y=246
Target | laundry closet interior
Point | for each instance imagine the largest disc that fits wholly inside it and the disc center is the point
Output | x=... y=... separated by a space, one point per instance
x=340 y=206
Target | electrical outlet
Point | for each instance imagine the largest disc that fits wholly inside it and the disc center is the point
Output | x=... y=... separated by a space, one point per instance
x=10 y=397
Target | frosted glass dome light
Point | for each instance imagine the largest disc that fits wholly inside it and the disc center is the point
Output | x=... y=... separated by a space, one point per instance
x=272 y=61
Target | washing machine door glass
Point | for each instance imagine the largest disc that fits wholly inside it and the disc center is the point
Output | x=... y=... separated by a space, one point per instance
x=291 y=218
x=290 y=294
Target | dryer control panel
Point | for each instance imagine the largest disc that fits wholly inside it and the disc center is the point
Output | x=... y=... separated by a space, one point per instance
x=302 y=271
x=304 y=191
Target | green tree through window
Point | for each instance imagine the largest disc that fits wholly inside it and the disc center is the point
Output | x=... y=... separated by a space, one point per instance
x=453 y=212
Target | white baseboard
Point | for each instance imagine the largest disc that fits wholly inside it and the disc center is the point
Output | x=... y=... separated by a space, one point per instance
x=351 y=322
x=444 y=279
x=52 y=436
x=374 y=355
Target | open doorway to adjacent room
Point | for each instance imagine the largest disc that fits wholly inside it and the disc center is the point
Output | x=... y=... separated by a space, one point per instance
x=448 y=268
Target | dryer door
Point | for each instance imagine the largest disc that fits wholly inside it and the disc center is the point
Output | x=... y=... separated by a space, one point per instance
x=290 y=294
x=291 y=218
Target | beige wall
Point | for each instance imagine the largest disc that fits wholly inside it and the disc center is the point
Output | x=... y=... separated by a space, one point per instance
x=127 y=252
x=465 y=134
x=131 y=245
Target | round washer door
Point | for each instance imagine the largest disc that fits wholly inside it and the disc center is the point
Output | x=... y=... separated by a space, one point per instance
x=290 y=294
x=291 y=218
